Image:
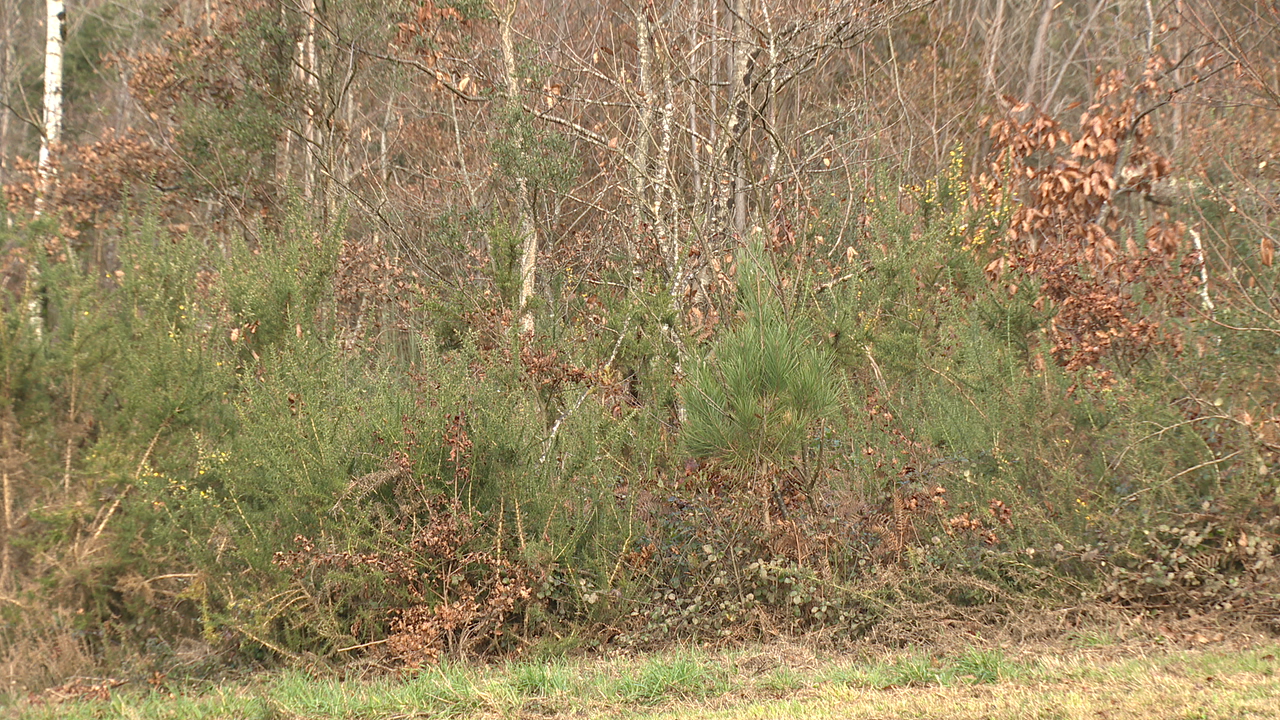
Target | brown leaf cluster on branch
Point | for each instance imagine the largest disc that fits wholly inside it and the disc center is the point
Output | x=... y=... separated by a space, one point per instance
x=430 y=30
x=106 y=171
x=1081 y=205
x=96 y=179
x=369 y=281
x=188 y=66
x=549 y=370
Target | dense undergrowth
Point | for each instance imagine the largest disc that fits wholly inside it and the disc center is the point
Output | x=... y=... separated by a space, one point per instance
x=233 y=452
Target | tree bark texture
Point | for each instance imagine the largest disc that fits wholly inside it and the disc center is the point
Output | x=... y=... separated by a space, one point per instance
x=51 y=137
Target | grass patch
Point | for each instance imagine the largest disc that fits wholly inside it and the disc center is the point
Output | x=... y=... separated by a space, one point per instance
x=976 y=683
x=672 y=677
x=541 y=680
x=983 y=666
x=784 y=679
x=972 y=667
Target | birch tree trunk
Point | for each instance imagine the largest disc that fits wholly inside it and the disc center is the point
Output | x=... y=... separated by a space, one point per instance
x=1037 y=52
x=47 y=172
x=643 y=133
x=50 y=141
x=738 y=123
x=8 y=19
x=310 y=135
x=527 y=232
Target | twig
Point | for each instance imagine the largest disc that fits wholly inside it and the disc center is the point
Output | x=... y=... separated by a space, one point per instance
x=555 y=429
x=957 y=386
x=832 y=283
x=1164 y=430
x=437 y=74
x=1193 y=468
x=1246 y=328
x=267 y=644
x=362 y=645
x=137 y=475
x=875 y=368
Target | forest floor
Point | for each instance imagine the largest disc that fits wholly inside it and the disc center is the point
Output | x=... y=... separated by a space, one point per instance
x=1200 y=674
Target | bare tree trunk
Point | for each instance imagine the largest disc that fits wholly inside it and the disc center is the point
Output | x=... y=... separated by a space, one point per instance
x=8 y=20
x=384 y=166
x=644 y=126
x=993 y=45
x=1151 y=28
x=458 y=144
x=1179 y=77
x=771 y=97
x=340 y=108
x=715 y=219
x=739 y=120
x=50 y=142
x=310 y=133
x=51 y=138
x=695 y=154
x=281 y=59
x=6 y=552
x=527 y=232
x=1037 y=52
x=1071 y=56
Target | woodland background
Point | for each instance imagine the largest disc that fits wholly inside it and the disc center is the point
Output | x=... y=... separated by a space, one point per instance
x=381 y=332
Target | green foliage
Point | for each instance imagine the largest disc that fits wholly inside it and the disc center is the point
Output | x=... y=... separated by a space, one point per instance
x=227 y=97
x=671 y=677
x=85 y=52
x=208 y=455
x=755 y=396
x=549 y=169
x=229 y=419
x=974 y=666
x=541 y=679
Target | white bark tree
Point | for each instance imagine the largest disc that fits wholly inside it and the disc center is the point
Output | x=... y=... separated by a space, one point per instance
x=8 y=19
x=50 y=140
x=528 y=234
x=51 y=136
x=311 y=81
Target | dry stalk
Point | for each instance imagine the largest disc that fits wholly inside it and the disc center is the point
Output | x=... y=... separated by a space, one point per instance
x=71 y=420
x=137 y=475
x=10 y=464
x=365 y=485
x=6 y=552
x=1205 y=301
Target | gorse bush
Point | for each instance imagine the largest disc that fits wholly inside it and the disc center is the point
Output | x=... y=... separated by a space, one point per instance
x=210 y=412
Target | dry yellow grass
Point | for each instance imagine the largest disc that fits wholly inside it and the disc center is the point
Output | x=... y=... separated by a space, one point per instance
x=1207 y=684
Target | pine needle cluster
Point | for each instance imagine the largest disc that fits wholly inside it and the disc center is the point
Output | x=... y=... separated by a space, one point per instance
x=752 y=399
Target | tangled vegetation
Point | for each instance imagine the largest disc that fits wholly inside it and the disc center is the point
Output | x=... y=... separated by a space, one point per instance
x=1038 y=372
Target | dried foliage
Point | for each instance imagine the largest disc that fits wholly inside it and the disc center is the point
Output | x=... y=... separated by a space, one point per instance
x=1077 y=219
x=451 y=596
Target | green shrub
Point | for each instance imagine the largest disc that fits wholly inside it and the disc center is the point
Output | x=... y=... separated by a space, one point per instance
x=761 y=389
